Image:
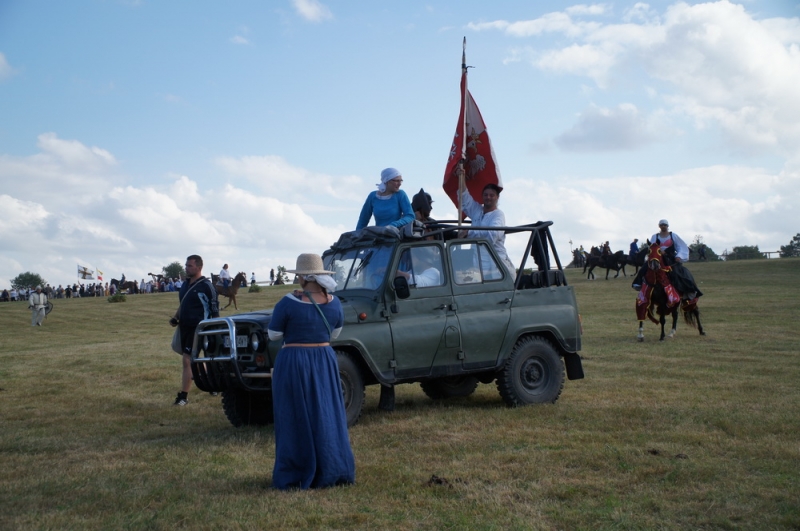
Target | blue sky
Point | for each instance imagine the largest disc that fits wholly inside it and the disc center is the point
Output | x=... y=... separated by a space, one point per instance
x=134 y=133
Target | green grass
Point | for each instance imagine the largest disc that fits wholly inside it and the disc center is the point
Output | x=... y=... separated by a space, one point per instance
x=692 y=433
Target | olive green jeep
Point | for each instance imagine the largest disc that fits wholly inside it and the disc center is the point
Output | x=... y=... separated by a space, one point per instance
x=442 y=312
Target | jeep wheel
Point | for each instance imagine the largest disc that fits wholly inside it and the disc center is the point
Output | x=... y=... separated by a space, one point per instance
x=244 y=408
x=453 y=386
x=533 y=373
x=352 y=387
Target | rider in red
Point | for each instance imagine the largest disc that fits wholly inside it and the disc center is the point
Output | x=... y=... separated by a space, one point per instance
x=675 y=253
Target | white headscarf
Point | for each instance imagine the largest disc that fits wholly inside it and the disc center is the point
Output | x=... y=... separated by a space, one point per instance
x=387 y=175
x=326 y=281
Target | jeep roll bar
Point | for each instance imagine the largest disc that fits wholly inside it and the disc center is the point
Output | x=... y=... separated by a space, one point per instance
x=540 y=244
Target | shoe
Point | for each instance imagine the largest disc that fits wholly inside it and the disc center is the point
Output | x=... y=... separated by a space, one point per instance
x=181 y=401
x=637 y=287
x=214 y=393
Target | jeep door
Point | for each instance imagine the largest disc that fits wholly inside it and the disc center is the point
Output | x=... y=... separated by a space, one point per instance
x=482 y=294
x=418 y=322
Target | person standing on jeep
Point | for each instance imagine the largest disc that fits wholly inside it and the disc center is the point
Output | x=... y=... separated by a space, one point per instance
x=488 y=215
x=389 y=204
x=198 y=301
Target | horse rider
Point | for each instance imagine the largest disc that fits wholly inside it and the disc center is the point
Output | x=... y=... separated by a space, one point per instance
x=675 y=252
x=634 y=249
x=225 y=276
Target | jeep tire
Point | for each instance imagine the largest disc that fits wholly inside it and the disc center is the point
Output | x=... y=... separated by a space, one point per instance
x=532 y=374
x=352 y=387
x=244 y=408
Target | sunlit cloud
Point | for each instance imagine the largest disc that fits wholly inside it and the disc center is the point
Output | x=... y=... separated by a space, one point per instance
x=312 y=10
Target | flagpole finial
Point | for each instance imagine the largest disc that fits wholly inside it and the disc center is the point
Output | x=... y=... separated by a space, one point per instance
x=464 y=54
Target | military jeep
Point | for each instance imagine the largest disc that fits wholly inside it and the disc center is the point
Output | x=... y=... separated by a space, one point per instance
x=444 y=312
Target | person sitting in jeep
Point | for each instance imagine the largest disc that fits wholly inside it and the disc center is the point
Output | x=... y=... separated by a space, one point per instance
x=426 y=267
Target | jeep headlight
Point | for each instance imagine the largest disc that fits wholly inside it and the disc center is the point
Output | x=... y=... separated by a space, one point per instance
x=255 y=341
x=208 y=343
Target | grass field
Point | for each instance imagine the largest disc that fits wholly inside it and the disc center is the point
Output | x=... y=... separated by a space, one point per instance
x=691 y=433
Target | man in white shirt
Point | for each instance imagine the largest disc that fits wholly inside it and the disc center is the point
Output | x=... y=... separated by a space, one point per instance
x=488 y=215
x=38 y=306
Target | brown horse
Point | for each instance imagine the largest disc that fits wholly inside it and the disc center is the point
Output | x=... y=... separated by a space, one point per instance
x=659 y=297
x=232 y=289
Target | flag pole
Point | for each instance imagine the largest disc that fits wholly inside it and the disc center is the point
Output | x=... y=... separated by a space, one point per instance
x=460 y=171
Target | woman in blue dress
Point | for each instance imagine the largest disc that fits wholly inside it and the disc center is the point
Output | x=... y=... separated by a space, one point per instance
x=389 y=204
x=312 y=447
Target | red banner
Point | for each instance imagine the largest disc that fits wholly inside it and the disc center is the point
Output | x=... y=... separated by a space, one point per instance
x=471 y=142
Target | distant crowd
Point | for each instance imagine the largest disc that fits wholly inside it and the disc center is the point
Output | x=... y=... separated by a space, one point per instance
x=97 y=289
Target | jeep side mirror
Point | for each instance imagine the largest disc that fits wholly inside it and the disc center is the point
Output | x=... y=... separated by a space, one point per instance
x=401 y=287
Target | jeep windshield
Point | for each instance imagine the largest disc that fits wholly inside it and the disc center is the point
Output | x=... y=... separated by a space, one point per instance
x=360 y=268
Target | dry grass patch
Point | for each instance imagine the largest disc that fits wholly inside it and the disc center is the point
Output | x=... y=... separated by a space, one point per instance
x=693 y=433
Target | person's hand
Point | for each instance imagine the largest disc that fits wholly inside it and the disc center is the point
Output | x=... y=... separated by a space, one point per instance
x=463 y=233
x=173 y=322
x=678 y=259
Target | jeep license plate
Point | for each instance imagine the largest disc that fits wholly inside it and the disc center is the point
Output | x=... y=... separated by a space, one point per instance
x=241 y=341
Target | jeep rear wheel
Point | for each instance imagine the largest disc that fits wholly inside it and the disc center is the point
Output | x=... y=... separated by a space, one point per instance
x=533 y=373
x=453 y=386
x=352 y=387
x=245 y=409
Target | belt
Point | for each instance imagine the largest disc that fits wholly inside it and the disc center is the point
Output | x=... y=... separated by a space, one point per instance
x=307 y=345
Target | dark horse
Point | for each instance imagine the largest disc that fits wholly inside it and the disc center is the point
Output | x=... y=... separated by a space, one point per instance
x=659 y=297
x=614 y=261
x=129 y=285
x=638 y=259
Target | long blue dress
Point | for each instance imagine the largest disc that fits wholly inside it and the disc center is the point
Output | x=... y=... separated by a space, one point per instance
x=312 y=447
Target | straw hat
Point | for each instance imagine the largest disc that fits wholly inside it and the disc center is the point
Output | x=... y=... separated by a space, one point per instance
x=309 y=264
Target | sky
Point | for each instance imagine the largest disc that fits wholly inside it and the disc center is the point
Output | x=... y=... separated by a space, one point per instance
x=135 y=133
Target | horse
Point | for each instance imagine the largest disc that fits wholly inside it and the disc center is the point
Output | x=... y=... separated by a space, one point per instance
x=659 y=297
x=614 y=261
x=638 y=259
x=232 y=289
x=131 y=285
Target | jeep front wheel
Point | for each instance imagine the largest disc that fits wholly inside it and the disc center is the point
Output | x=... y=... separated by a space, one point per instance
x=533 y=373
x=244 y=408
x=453 y=386
x=352 y=387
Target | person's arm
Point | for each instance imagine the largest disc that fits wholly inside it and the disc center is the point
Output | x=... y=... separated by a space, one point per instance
x=429 y=277
x=681 y=249
x=471 y=207
x=214 y=301
x=277 y=324
x=339 y=324
x=366 y=213
x=406 y=211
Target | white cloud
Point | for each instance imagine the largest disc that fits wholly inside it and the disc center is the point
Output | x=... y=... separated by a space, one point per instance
x=238 y=39
x=701 y=201
x=5 y=68
x=602 y=129
x=713 y=62
x=275 y=175
x=312 y=10
x=65 y=199
x=584 y=9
